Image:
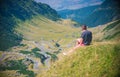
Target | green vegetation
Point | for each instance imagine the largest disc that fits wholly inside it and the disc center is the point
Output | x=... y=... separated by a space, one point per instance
x=38 y=55
x=35 y=53
x=112 y=36
x=94 y=15
x=97 y=60
x=23 y=45
x=27 y=72
x=78 y=14
x=9 y=39
x=35 y=49
x=19 y=66
x=25 y=52
x=112 y=31
x=53 y=56
x=41 y=56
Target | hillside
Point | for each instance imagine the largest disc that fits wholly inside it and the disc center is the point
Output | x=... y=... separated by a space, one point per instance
x=97 y=60
x=109 y=31
x=13 y=10
x=101 y=59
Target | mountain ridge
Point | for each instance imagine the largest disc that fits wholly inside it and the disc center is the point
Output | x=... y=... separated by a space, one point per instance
x=108 y=11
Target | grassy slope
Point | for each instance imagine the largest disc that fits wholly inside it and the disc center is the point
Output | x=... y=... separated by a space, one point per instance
x=101 y=59
x=109 y=31
x=98 y=60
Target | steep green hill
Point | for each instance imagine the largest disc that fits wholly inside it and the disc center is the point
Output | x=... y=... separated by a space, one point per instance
x=97 y=60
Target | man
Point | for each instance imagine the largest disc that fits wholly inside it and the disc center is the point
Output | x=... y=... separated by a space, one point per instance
x=86 y=37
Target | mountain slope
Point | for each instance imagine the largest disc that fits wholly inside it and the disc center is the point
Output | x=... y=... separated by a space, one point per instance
x=93 y=16
x=13 y=10
x=107 y=12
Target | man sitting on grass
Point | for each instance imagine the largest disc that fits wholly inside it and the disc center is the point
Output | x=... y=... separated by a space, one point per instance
x=84 y=40
x=86 y=37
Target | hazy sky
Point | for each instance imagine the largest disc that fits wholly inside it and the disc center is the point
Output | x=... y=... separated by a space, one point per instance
x=70 y=4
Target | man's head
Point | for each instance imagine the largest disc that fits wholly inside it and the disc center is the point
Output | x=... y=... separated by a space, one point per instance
x=84 y=27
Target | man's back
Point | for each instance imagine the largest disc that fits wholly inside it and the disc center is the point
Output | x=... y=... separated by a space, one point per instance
x=87 y=37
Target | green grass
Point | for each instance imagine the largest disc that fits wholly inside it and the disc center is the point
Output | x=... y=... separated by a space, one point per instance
x=35 y=49
x=25 y=52
x=35 y=53
x=98 y=60
x=109 y=31
x=112 y=31
x=113 y=36
x=53 y=56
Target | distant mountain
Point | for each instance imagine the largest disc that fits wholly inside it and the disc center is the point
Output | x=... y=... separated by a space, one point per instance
x=79 y=14
x=13 y=10
x=92 y=16
x=107 y=12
